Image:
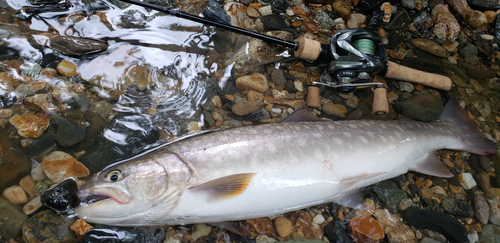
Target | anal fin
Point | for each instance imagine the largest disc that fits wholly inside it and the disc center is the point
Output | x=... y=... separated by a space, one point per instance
x=431 y=165
x=225 y=187
x=351 y=199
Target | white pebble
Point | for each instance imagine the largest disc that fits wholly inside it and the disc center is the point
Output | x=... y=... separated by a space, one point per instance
x=473 y=236
x=487 y=37
x=467 y=181
x=266 y=10
x=319 y=219
x=338 y=21
x=15 y=195
x=32 y=206
x=264 y=239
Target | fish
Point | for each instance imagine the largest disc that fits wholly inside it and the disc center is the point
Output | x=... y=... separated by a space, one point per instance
x=269 y=169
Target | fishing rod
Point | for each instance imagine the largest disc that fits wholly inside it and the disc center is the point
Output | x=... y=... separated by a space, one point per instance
x=354 y=57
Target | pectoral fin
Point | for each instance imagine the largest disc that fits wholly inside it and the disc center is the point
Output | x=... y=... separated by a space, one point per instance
x=225 y=187
x=431 y=165
x=354 y=179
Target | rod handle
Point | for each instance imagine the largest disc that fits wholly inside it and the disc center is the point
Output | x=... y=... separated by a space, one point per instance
x=380 y=103
x=308 y=49
x=313 y=99
x=399 y=72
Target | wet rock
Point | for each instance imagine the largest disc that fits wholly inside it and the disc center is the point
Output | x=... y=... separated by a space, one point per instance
x=304 y=227
x=476 y=72
x=41 y=147
x=28 y=184
x=430 y=47
x=458 y=81
x=61 y=198
x=457 y=207
x=389 y=193
x=366 y=229
x=47 y=226
x=365 y=6
x=342 y=7
x=15 y=195
x=67 y=134
x=256 y=81
x=495 y=210
x=41 y=102
x=425 y=108
x=29 y=125
x=273 y=22
x=399 y=20
x=406 y=86
x=11 y=220
x=15 y=164
x=257 y=53
x=32 y=206
x=263 y=226
x=75 y=46
x=408 y=4
x=324 y=20
x=67 y=68
x=442 y=223
x=125 y=235
x=468 y=51
x=484 y=162
x=375 y=19
x=214 y=12
x=356 y=20
x=243 y=109
x=336 y=231
x=200 y=230
x=490 y=233
x=394 y=227
x=80 y=227
x=335 y=110
x=446 y=26
x=474 y=18
x=387 y=8
x=283 y=226
x=467 y=181
x=277 y=77
x=481 y=209
x=59 y=166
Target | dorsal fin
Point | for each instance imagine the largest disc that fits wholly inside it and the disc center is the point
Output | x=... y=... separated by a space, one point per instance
x=431 y=165
x=301 y=115
x=225 y=187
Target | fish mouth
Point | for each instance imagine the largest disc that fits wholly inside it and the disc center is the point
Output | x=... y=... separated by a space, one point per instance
x=102 y=195
x=92 y=198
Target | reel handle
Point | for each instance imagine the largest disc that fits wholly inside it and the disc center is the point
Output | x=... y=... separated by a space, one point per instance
x=308 y=49
x=399 y=72
x=380 y=103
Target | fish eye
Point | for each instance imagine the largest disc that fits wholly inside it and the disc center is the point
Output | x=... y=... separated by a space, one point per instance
x=114 y=176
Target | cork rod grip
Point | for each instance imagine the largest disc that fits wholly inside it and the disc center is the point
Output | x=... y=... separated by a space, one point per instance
x=399 y=72
x=308 y=49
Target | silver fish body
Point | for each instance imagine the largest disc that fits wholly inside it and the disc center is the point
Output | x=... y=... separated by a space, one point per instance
x=264 y=170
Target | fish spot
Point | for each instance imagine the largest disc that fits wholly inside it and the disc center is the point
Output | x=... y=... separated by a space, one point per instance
x=347 y=134
x=383 y=138
x=392 y=138
x=363 y=139
x=419 y=125
x=337 y=141
x=409 y=125
x=383 y=125
x=352 y=126
x=328 y=165
x=371 y=134
x=397 y=134
x=331 y=126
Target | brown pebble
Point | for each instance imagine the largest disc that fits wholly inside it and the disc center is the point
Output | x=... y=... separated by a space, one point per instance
x=80 y=227
x=28 y=184
x=283 y=226
x=428 y=183
x=59 y=166
x=67 y=68
x=15 y=195
x=32 y=206
x=29 y=125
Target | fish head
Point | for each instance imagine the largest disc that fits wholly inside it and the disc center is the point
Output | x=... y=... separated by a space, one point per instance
x=123 y=193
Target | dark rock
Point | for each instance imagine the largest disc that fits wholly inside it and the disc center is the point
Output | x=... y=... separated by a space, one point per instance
x=11 y=220
x=324 y=20
x=408 y=4
x=375 y=20
x=273 y=22
x=102 y=108
x=457 y=207
x=394 y=38
x=484 y=162
x=365 y=6
x=214 y=12
x=222 y=41
x=279 y=6
x=336 y=232
x=490 y=234
x=81 y=102
x=476 y=72
x=483 y=5
x=290 y=88
x=75 y=46
x=123 y=235
x=42 y=146
x=423 y=18
x=47 y=226
x=207 y=117
x=425 y=108
x=14 y=163
x=431 y=65
x=258 y=115
x=414 y=190
x=62 y=198
x=481 y=209
x=208 y=106
x=399 y=20
x=278 y=77
x=389 y=193
x=67 y=134
x=442 y=223
x=473 y=162
x=497 y=28
x=469 y=50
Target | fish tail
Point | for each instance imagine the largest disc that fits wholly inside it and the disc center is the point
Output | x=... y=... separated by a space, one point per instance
x=473 y=140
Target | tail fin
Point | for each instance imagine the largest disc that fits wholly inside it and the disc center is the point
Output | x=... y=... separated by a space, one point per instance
x=474 y=140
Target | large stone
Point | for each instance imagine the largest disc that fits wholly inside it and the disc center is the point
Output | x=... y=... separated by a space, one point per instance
x=257 y=82
x=243 y=109
x=30 y=125
x=67 y=68
x=446 y=27
x=424 y=108
x=11 y=220
x=475 y=18
x=430 y=47
x=389 y=193
x=59 y=166
x=47 y=226
x=14 y=164
x=490 y=234
x=67 y=134
x=366 y=229
x=76 y=46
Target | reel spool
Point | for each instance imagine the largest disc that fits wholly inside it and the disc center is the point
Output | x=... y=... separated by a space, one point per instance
x=357 y=54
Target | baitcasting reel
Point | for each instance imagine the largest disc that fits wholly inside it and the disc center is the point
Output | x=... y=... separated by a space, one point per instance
x=357 y=55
